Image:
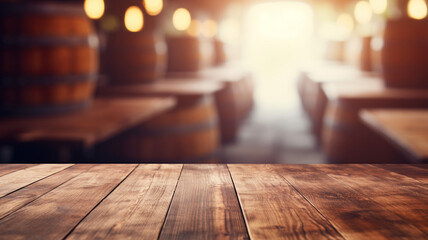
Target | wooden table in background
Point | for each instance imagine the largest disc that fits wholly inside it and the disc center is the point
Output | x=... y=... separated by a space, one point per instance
x=310 y=83
x=234 y=102
x=407 y=129
x=102 y=120
x=162 y=87
x=175 y=201
x=345 y=138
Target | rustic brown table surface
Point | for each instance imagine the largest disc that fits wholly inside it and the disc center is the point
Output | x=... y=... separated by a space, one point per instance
x=103 y=119
x=406 y=128
x=175 y=201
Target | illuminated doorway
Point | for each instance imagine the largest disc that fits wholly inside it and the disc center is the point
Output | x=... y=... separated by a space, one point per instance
x=277 y=42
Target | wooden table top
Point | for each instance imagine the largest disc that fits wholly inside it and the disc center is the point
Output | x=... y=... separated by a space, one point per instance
x=103 y=119
x=164 y=87
x=372 y=91
x=335 y=72
x=406 y=128
x=174 y=201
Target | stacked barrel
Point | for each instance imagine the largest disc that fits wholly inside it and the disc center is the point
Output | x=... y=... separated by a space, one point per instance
x=49 y=58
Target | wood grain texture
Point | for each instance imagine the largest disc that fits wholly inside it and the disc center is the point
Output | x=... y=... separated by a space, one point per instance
x=104 y=119
x=20 y=198
x=407 y=129
x=204 y=206
x=398 y=194
x=16 y=180
x=9 y=168
x=413 y=171
x=273 y=209
x=353 y=214
x=55 y=214
x=134 y=210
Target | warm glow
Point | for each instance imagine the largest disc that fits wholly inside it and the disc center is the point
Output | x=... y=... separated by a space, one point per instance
x=229 y=30
x=194 y=29
x=153 y=7
x=339 y=30
x=345 y=22
x=134 y=20
x=94 y=8
x=274 y=21
x=181 y=19
x=209 y=28
x=363 y=12
x=379 y=6
x=417 y=9
x=276 y=40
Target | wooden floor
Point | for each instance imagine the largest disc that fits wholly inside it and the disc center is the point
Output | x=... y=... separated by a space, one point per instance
x=275 y=136
x=119 y=201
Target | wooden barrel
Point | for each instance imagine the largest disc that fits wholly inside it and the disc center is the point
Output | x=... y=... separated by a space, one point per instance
x=347 y=140
x=49 y=58
x=366 y=54
x=231 y=106
x=312 y=96
x=189 y=53
x=404 y=53
x=220 y=51
x=189 y=133
x=135 y=57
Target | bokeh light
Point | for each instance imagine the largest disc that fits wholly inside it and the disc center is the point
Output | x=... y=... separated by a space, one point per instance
x=379 y=6
x=194 y=29
x=181 y=19
x=94 y=9
x=134 y=20
x=417 y=9
x=209 y=28
x=345 y=22
x=153 y=7
x=363 y=12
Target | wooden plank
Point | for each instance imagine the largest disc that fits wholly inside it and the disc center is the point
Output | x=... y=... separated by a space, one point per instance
x=413 y=171
x=273 y=209
x=353 y=214
x=55 y=214
x=104 y=119
x=9 y=168
x=134 y=210
x=204 y=206
x=404 y=196
x=407 y=129
x=16 y=180
x=22 y=197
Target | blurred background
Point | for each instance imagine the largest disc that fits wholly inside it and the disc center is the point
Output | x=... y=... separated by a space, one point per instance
x=292 y=80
